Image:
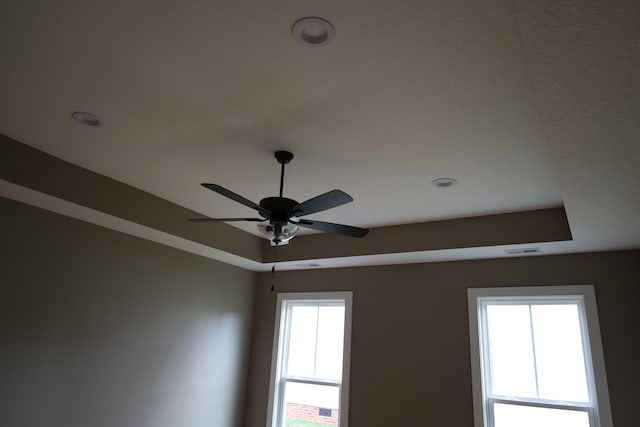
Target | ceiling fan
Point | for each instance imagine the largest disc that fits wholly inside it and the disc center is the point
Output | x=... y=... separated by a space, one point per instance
x=284 y=215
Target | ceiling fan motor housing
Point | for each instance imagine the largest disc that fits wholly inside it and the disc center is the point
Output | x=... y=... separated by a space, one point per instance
x=279 y=207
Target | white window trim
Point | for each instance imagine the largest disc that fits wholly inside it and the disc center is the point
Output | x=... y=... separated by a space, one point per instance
x=278 y=339
x=602 y=408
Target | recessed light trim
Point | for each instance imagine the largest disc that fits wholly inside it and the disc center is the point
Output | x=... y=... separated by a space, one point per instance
x=444 y=182
x=87 y=119
x=313 y=31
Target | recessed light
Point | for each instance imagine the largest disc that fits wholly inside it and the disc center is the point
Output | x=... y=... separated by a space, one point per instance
x=313 y=31
x=443 y=182
x=87 y=119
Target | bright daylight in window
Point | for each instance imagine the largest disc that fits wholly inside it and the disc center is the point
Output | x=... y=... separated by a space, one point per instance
x=309 y=378
x=537 y=358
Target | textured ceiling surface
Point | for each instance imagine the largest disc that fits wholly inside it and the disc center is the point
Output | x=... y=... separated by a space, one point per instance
x=585 y=63
x=529 y=105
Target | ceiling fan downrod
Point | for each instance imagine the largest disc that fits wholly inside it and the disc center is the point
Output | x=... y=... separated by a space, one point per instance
x=283 y=158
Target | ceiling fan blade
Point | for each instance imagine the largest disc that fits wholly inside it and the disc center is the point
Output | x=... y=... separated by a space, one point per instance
x=225 y=219
x=345 y=230
x=328 y=200
x=237 y=198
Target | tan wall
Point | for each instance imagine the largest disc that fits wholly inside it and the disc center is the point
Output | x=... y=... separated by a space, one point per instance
x=102 y=329
x=410 y=360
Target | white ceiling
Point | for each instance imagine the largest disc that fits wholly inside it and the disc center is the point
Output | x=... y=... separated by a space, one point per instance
x=527 y=104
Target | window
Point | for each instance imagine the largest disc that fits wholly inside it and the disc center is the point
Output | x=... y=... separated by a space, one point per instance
x=310 y=367
x=537 y=358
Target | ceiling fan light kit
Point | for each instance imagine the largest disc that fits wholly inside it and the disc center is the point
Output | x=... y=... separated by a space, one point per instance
x=284 y=214
x=278 y=235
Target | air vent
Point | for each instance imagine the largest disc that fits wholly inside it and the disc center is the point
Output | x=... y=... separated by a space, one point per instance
x=522 y=251
x=324 y=412
x=308 y=265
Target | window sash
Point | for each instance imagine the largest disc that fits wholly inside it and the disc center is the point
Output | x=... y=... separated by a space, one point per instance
x=578 y=300
x=287 y=310
x=279 y=414
x=491 y=402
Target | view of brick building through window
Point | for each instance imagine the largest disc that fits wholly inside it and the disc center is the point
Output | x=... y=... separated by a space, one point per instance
x=298 y=415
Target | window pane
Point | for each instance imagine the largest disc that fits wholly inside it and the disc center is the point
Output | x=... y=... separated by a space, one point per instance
x=308 y=405
x=528 y=416
x=302 y=341
x=330 y=342
x=559 y=354
x=511 y=351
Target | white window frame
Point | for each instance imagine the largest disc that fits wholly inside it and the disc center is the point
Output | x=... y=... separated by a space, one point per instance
x=275 y=392
x=584 y=295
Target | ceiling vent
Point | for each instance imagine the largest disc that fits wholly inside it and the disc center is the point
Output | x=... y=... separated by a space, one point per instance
x=522 y=251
